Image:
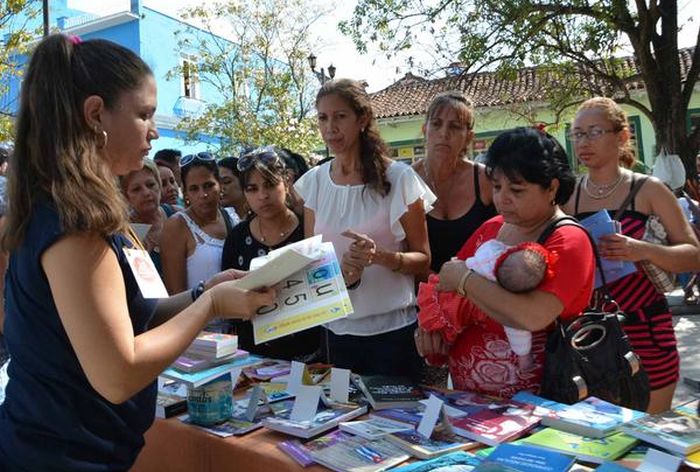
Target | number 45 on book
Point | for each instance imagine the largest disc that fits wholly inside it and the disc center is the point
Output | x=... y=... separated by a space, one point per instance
x=310 y=289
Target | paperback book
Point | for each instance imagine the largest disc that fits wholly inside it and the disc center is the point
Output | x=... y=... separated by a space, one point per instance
x=597 y=450
x=307 y=297
x=350 y=453
x=440 y=442
x=600 y=224
x=195 y=379
x=401 y=416
x=267 y=370
x=237 y=425
x=384 y=391
x=494 y=426
x=301 y=451
x=373 y=428
x=525 y=458
x=170 y=404
x=214 y=345
x=325 y=419
x=189 y=362
x=673 y=430
x=591 y=417
x=459 y=461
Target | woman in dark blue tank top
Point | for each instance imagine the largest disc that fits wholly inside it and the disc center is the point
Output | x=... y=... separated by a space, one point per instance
x=463 y=192
x=82 y=389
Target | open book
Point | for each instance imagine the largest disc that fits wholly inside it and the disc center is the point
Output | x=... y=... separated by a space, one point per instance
x=277 y=265
x=308 y=293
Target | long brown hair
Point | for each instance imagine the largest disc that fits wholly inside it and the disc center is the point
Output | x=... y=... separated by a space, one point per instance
x=372 y=147
x=57 y=156
x=617 y=116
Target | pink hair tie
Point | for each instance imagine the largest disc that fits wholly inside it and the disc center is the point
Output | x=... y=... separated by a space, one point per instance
x=75 y=39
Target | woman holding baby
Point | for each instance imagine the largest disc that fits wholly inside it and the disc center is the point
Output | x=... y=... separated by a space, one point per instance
x=531 y=177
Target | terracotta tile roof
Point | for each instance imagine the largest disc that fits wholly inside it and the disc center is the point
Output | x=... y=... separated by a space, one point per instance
x=411 y=95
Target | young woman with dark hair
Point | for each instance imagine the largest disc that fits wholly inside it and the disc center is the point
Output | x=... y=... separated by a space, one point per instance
x=383 y=203
x=271 y=224
x=86 y=346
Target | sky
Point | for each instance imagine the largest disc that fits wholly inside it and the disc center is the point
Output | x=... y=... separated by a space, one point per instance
x=337 y=49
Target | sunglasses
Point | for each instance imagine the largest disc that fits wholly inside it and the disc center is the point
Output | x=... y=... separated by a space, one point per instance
x=199 y=157
x=266 y=156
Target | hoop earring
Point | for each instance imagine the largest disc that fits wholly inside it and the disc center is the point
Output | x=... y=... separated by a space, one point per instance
x=105 y=138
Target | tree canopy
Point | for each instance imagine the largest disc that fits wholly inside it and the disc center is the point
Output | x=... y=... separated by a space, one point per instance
x=580 y=41
x=260 y=71
x=15 y=17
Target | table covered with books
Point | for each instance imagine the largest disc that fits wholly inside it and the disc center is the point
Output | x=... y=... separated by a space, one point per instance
x=467 y=428
x=175 y=446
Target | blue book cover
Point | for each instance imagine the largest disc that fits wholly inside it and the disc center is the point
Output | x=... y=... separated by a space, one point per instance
x=613 y=467
x=203 y=376
x=600 y=224
x=530 y=458
x=459 y=458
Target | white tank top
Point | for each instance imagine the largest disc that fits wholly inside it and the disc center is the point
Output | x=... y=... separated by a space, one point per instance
x=205 y=260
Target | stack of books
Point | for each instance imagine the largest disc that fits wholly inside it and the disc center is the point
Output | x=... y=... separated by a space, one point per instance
x=209 y=350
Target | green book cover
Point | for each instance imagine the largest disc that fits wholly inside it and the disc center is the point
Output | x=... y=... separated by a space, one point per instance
x=596 y=450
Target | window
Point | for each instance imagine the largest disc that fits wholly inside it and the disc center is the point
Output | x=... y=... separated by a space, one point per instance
x=190 y=78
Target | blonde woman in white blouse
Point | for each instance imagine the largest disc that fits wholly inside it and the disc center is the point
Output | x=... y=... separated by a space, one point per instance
x=373 y=210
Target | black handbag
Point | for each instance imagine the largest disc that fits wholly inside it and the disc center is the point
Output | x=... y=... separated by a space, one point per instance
x=591 y=354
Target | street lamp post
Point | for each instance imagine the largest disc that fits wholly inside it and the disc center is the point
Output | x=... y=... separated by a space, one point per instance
x=321 y=76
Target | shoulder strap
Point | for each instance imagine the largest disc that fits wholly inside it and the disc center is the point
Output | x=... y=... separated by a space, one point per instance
x=578 y=196
x=571 y=221
x=227 y=221
x=634 y=189
x=477 y=190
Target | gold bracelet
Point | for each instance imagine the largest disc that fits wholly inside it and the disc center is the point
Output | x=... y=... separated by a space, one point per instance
x=461 y=288
x=400 y=266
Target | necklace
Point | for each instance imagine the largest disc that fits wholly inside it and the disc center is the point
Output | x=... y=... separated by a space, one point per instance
x=201 y=222
x=283 y=233
x=601 y=191
x=439 y=202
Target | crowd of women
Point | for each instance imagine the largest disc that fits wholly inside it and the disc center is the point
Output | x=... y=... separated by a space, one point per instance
x=86 y=346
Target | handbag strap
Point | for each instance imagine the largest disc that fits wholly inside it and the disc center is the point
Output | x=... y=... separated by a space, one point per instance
x=636 y=185
x=571 y=221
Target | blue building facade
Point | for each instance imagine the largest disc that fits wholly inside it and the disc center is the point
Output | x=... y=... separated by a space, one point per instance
x=152 y=35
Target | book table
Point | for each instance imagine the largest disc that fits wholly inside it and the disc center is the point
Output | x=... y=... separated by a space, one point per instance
x=173 y=446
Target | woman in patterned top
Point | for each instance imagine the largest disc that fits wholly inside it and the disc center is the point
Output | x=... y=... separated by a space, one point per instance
x=272 y=224
x=531 y=177
x=601 y=138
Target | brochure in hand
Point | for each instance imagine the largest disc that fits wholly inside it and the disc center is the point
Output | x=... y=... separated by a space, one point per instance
x=308 y=295
x=600 y=224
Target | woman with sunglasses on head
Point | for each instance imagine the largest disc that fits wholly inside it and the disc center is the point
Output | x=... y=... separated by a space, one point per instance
x=86 y=345
x=193 y=239
x=373 y=210
x=271 y=224
x=601 y=138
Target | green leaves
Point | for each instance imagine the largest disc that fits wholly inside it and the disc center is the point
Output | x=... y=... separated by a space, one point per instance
x=263 y=86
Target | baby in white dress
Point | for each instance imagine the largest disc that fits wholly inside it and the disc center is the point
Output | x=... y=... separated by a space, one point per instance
x=517 y=269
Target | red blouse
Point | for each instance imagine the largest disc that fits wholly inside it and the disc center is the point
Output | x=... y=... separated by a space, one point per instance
x=480 y=357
